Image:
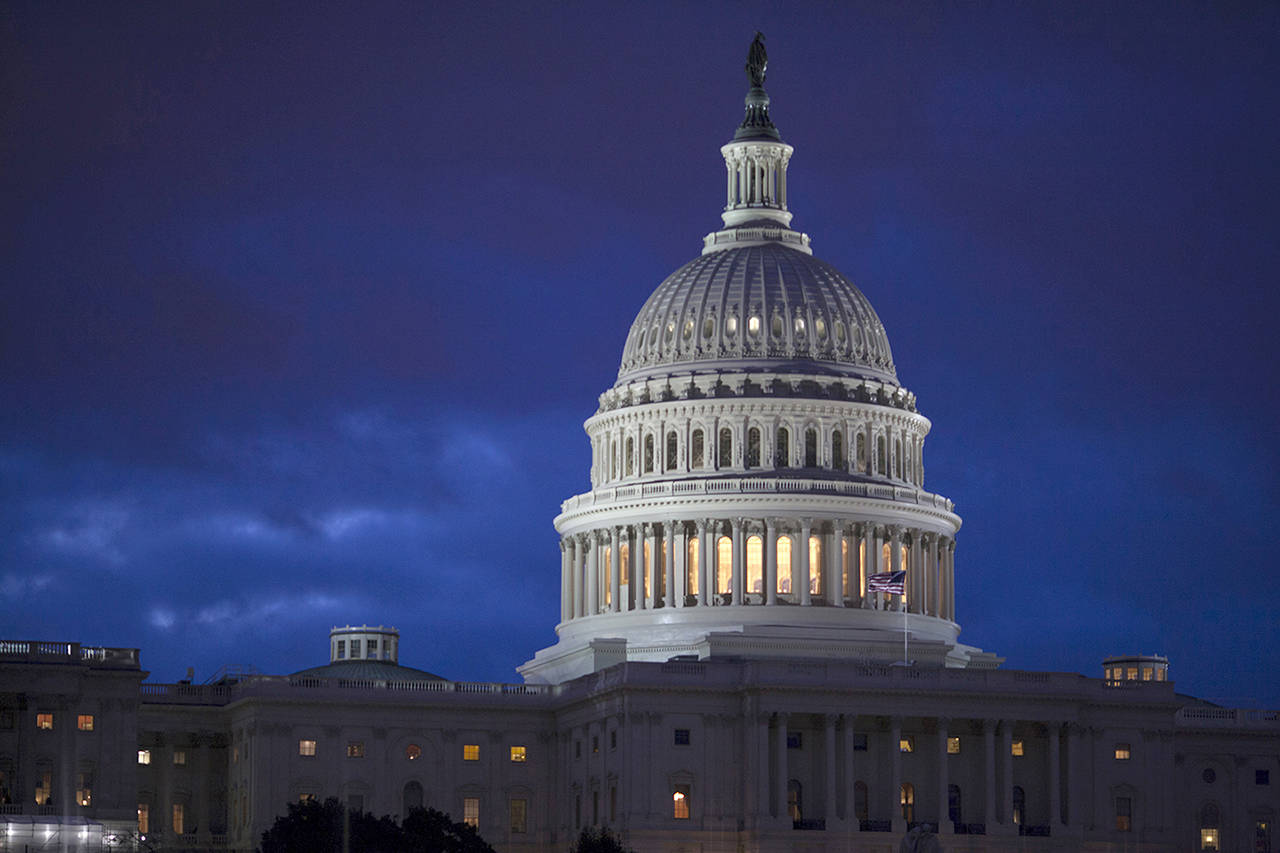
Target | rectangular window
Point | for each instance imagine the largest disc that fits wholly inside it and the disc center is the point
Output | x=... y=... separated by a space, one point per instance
x=84 y=789
x=519 y=816
x=1262 y=777
x=355 y=648
x=1015 y=748
x=84 y=722
x=144 y=818
x=681 y=737
x=470 y=752
x=44 y=722
x=1122 y=752
x=471 y=811
x=179 y=758
x=906 y=744
x=373 y=649
x=859 y=742
x=1209 y=839
x=953 y=746
x=518 y=754
x=306 y=797
x=355 y=749
x=1124 y=814
x=342 y=649
x=794 y=741
x=144 y=756
x=307 y=748
x=44 y=788
x=179 y=819
x=680 y=802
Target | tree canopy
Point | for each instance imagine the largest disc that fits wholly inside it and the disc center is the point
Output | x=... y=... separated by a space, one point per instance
x=315 y=827
x=598 y=841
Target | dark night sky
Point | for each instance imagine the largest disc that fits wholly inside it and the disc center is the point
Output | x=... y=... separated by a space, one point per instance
x=303 y=305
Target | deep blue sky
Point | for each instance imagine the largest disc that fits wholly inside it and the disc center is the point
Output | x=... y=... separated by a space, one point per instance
x=303 y=305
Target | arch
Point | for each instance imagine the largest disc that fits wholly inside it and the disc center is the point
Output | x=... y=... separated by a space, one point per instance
x=907 y=798
x=811 y=448
x=815 y=565
x=648 y=453
x=955 y=804
x=795 y=799
x=753 y=447
x=784 y=564
x=837 y=451
x=691 y=567
x=782 y=448
x=861 y=811
x=755 y=564
x=412 y=796
x=724 y=564
x=673 y=447
x=696 y=449
x=1019 y=806
x=725 y=450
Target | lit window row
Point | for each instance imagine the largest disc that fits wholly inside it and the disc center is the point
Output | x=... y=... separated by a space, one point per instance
x=518 y=754
x=179 y=757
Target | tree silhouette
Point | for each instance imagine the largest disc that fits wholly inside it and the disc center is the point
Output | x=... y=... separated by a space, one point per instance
x=315 y=827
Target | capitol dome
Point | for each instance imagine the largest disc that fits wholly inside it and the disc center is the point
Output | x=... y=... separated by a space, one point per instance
x=757 y=477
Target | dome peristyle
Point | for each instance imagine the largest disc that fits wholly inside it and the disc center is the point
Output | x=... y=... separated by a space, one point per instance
x=759 y=306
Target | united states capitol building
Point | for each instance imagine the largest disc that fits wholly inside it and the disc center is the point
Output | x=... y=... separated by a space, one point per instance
x=725 y=676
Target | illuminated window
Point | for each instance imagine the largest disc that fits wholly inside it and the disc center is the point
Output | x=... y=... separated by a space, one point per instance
x=815 y=565
x=724 y=564
x=1019 y=805
x=84 y=722
x=953 y=746
x=144 y=818
x=471 y=752
x=907 y=799
x=1131 y=673
x=306 y=797
x=1124 y=814
x=784 y=564
x=355 y=749
x=795 y=799
x=1209 y=823
x=471 y=811
x=681 y=737
x=1016 y=749
x=84 y=788
x=1122 y=752
x=44 y=787
x=179 y=758
x=1209 y=839
x=518 y=754
x=144 y=756
x=519 y=816
x=906 y=744
x=755 y=564
x=1262 y=836
x=179 y=818
x=1146 y=673
x=44 y=722
x=691 y=567
x=753 y=325
x=680 y=802
x=413 y=752
x=306 y=747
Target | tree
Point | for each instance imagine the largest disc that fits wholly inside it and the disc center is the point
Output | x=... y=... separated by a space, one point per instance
x=598 y=841
x=314 y=827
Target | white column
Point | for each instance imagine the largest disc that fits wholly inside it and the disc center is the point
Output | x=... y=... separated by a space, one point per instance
x=668 y=545
x=578 y=545
x=738 y=577
x=615 y=570
x=915 y=575
x=932 y=574
x=805 y=525
x=564 y=581
x=895 y=560
x=703 y=544
x=770 y=561
x=633 y=560
x=593 y=568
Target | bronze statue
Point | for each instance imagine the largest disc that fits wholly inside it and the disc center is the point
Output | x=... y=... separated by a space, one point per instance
x=757 y=61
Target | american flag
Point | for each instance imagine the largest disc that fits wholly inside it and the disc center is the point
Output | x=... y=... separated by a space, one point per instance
x=892 y=582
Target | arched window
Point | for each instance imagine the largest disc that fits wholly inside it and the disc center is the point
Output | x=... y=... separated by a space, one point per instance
x=691 y=567
x=955 y=805
x=648 y=454
x=860 y=809
x=861 y=457
x=844 y=568
x=725 y=451
x=784 y=564
x=755 y=564
x=897 y=457
x=811 y=448
x=880 y=460
x=907 y=797
x=631 y=455
x=837 y=450
x=795 y=800
x=782 y=448
x=815 y=565
x=671 y=451
x=1019 y=805
x=724 y=564
x=624 y=564
x=753 y=448
x=1209 y=822
x=695 y=448
x=412 y=796
x=613 y=459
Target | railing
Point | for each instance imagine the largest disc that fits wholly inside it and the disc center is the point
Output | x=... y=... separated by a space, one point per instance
x=755 y=485
x=46 y=650
x=210 y=694
x=1207 y=717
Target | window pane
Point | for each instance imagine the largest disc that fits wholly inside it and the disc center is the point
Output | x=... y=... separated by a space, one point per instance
x=84 y=722
x=784 y=564
x=724 y=564
x=470 y=752
x=755 y=564
x=518 y=754
x=471 y=811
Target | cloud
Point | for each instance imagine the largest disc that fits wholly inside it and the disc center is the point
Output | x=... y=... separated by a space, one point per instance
x=13 y=585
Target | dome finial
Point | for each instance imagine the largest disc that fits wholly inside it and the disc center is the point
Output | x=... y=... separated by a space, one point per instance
x=757 y=124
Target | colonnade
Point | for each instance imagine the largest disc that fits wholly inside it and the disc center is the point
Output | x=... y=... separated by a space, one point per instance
x=757 y=175
x=753 y=561
x=855 y=788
